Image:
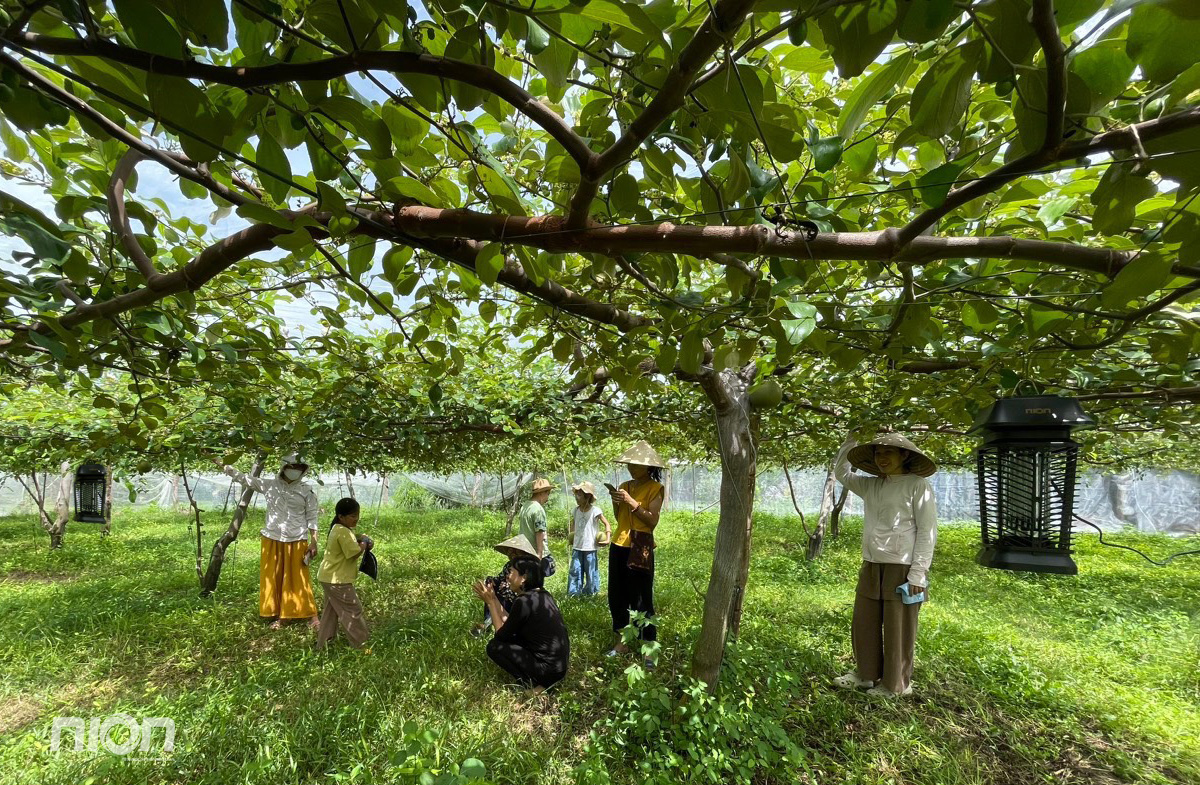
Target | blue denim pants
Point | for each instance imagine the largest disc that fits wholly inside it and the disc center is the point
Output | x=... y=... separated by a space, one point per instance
x=583 y=577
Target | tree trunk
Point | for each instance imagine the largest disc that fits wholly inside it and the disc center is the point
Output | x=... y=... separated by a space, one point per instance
x=737 y=432
x=835 y=518
x=512 y=511
x=62 y=506
x=383 y=493
x=106 y=528
x=816 y=540
x=38 y=496
x=208 y=584
x=350 y=484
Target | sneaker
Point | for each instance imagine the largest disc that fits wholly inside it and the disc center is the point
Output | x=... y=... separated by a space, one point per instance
x=883 y=692
x=850 y=681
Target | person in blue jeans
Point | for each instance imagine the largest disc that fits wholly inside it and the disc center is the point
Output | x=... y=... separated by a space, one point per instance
x=583 y=578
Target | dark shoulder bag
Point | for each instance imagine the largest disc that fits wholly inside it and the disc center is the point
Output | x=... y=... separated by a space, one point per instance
x=641 y=550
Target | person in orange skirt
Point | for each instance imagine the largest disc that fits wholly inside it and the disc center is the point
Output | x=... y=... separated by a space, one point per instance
x=285 y=590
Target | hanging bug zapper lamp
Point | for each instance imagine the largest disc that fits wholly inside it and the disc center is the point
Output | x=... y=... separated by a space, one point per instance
x=1026 y=468
x=90 y=488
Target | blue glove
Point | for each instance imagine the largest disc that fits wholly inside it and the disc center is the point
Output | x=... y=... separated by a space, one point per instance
x=909 y=599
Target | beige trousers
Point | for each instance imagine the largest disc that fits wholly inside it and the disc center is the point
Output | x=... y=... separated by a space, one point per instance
x=883 y=632
x=342 y=605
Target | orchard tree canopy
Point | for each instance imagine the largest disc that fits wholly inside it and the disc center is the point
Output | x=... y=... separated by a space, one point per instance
x=874 y=211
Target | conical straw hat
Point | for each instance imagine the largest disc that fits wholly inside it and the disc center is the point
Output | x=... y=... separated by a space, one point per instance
x=519 y=543
x=642 y=454
x=863 y=456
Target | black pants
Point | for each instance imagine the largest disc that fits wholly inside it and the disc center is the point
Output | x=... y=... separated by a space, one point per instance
x=522 y=665
x=629 y=590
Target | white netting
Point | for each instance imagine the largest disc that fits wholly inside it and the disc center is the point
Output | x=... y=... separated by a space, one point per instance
x=1155 y=501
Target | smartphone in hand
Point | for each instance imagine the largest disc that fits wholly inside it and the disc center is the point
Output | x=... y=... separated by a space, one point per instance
x=611 y=487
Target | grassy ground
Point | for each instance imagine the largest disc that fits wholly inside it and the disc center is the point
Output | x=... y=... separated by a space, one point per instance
x=1020 y=678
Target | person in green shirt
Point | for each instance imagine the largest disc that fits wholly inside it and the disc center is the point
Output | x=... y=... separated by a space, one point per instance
x=343 y=550
x=533 y=523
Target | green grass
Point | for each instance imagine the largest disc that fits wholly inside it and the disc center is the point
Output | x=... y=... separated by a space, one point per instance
x=1020 y=678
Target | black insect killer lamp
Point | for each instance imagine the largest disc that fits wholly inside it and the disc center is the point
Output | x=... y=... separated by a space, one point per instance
x=1026 y=468
x=90 y=488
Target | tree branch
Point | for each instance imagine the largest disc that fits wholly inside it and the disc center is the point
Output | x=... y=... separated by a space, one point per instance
x=323 y=70
x=1046 y=28
x=1127 y=138
x=118 y=217
x=717 y=29
x=549 y=233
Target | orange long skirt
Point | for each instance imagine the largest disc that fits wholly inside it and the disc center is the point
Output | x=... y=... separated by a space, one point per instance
x=284 y=584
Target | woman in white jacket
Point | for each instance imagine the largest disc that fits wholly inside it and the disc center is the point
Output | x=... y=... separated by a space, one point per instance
x=284 y=584
x=899 y=533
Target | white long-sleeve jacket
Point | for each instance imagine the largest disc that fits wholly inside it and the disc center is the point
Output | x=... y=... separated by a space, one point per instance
x=899 y=520
x=292 y=507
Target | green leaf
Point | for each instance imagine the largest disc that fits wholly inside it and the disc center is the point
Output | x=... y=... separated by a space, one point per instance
x=260 y=213
x=411 y=188
x=395 y=263
x=870 y=91
x=935 y=184
x=361 y=256
x=498 y=187
x=555 y=63
x=857 y=33
x=826 y=152
x=691 y=352
x=1162 y=38
x=925 y=20
x=1052 y=211
x=980 y=314
x=802 y=325
x=941 y=97
x=489 y=262
x=1117 y=197
x=861 y=158
x=271 y=157
x=624 y=194
x=206 y=22
x=1105 y=69
x=1145 y=275
x=1043 y=319
x=1007 y=25
x=149 y=28
x=667 y=354
x=537 y=38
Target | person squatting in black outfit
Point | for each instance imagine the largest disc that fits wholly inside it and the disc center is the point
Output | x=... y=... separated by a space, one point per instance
x=530 y=642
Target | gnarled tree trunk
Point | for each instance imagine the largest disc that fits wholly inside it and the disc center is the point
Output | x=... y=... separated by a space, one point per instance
x=106 y=528
x=835 y=518
x=208 y=583
x=62 y=506
x=737 y=432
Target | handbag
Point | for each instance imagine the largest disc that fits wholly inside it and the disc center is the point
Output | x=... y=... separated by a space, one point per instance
x=641 y=550
x=548 y=565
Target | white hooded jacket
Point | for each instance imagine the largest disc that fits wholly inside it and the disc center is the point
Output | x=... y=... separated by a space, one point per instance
x=292 y=507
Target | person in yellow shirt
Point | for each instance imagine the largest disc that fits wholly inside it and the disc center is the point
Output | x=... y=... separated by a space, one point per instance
x=636 y=506
x=343 y=550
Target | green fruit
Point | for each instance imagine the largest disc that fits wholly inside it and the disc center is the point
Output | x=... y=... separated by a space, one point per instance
x=766 y=394
x=1004 y=87
x=797 y=32
x=298 y=123
x=9 y=77
x=6 y=94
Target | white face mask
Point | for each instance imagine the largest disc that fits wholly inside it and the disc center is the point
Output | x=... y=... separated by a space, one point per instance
x=292 y=474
